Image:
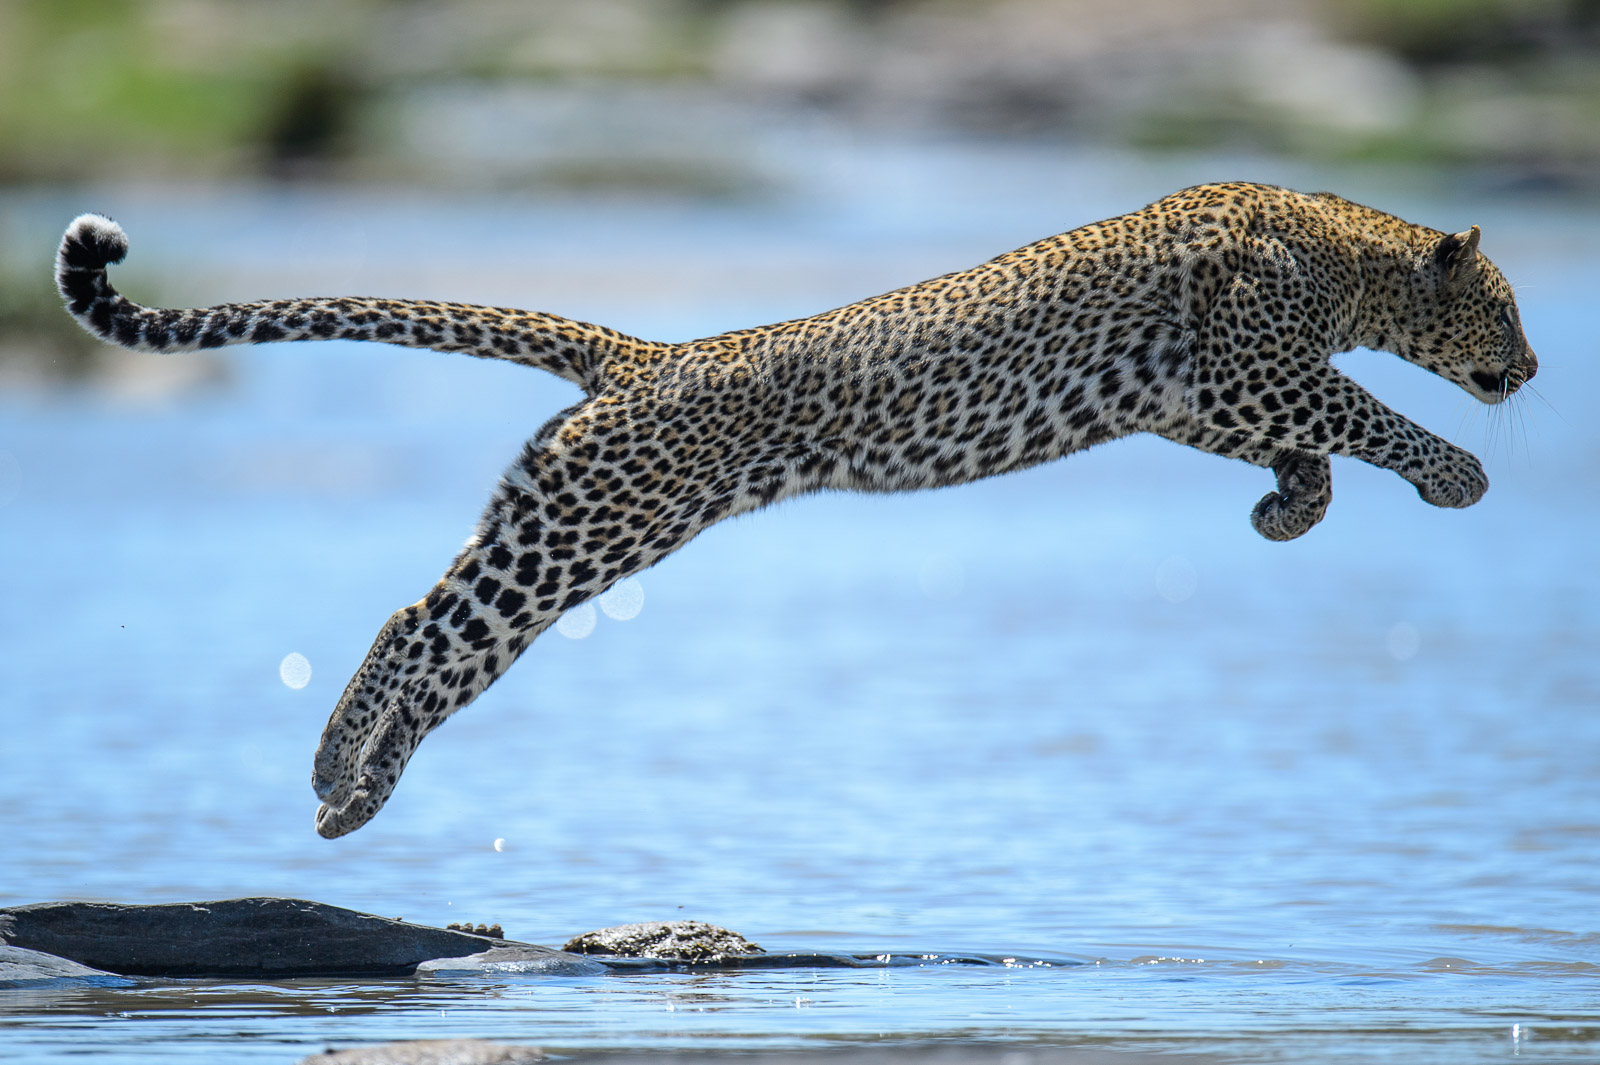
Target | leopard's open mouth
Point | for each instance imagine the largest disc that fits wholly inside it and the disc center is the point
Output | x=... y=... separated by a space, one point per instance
x=1497 y=388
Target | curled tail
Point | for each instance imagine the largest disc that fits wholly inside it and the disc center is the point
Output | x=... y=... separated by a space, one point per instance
x=573 y=350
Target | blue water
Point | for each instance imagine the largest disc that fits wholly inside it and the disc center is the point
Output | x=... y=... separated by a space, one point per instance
x=1329 y=800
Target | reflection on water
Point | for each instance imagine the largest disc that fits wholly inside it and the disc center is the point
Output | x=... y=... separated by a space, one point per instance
x=1327 y=798
x=1448 y=1011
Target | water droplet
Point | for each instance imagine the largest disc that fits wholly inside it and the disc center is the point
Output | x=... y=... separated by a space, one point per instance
x=1176 y=579
x=500 y=845
x=578 y=622
x=623 y=600
x=941 y=577
x=1403 y=641
x=295 y=670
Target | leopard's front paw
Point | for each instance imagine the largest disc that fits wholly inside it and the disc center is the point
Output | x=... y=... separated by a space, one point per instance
x=1455 y=479
x=1305 y=488
x=1279 y=517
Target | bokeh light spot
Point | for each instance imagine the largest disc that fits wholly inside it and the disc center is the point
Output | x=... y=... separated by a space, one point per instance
x=295 y=670
x=623 y=600
x=577 y=623
x=1403 y=641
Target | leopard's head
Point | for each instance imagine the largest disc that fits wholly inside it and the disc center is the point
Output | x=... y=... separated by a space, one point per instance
x=1466 y=327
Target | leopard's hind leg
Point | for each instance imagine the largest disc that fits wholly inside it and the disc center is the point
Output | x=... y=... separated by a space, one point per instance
x=589 y=502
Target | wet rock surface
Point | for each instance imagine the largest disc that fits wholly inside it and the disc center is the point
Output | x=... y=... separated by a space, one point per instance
x=21 y=967
x=693 y=941
x=518 y=959
x=430 y=1052
x=267 y=937
x=652 y=946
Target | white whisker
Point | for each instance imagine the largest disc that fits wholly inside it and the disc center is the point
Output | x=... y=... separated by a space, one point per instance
x=1530 y=390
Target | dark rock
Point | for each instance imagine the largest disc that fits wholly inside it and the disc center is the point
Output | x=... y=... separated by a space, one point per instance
x=20 y=967
x=543 y=961
x=430 y=1052
x=234 y=937
x=666 y=940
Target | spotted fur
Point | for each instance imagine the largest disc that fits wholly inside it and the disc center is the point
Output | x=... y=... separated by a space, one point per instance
x=1207 y=318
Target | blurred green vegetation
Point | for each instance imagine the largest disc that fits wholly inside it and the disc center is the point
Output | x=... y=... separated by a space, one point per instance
x=1433 y=32
x=673 y=97
x=304 y=87
x=92 y=86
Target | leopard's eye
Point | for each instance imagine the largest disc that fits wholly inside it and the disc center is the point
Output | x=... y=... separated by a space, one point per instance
x=1505 y=317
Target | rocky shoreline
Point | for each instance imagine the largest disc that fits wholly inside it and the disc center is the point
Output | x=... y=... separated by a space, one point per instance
x=64 y=945
x=114 y=944
x=99 y=944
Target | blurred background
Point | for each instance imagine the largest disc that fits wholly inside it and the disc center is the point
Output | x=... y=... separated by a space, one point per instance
x=718 y=99
x=1331 y=798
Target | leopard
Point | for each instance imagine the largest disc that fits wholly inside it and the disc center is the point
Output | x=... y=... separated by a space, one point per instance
x=1209 y=318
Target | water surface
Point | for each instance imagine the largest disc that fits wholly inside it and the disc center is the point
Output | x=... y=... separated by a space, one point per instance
x=1327 y=800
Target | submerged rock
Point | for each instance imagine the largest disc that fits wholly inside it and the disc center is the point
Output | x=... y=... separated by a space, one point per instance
x=666 y=940
x=430 y=1052
x=526 y=959
x=233 y=937
x=21 y=967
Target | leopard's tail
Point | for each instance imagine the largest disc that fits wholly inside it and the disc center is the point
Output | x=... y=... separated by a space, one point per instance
x=573 y=350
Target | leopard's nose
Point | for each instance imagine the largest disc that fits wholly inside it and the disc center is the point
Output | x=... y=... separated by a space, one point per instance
x=1528 y=365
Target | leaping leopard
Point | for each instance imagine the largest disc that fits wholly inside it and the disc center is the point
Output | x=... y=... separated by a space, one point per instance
x=1208 y=318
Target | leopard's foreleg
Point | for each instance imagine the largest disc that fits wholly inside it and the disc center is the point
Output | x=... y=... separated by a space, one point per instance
x=1305 y=488
x=1304 y=480
x=1282 y=393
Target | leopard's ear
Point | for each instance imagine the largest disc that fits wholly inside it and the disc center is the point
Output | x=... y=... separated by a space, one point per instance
x=1456 y=255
